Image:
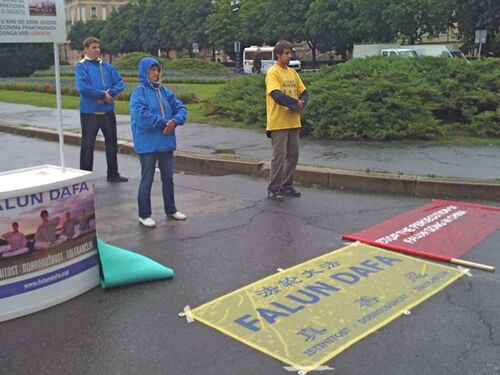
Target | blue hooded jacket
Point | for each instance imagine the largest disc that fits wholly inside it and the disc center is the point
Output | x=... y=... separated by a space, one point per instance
x=148 y=120
x=93 y=78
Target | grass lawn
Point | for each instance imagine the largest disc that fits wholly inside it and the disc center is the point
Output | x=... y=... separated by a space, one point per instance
x=195 y=111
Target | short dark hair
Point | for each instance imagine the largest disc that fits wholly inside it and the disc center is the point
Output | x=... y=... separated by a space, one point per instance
x=44 y=212
x=281 y=46
x=88 y=41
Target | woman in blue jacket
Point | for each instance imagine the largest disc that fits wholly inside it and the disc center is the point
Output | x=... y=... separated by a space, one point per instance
x=155 y=113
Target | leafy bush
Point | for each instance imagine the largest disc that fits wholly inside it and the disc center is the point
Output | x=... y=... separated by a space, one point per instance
x=241 y=100
x=132 y=77
x=383 y=99
x=182 y=65
x=131 y=61
x=380 y=99
x=194 y=66
x=187 y=97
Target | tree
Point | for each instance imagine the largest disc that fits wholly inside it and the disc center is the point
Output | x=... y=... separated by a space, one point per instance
x=183 y=22
x=121 y=32
x=220 y=26
x=22 y=59
x=369 y=23
x=413 y=19
x=256 y=23
x=331 y=21
x=77 y=34
x=196 y=11
x=473 y=15
x=150 y=24
x=81 y=30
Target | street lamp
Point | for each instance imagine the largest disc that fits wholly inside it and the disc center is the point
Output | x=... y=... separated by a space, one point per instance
x=235 y=5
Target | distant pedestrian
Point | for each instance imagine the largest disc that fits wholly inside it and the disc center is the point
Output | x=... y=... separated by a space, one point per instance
x=98 y=84
x=257 y=62
x=286 y=97
x=155 y=113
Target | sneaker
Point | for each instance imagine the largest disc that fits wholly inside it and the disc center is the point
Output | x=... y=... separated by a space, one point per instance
x=147 y=222
x=177 y=216
x=275 y=196
x=117 y=178
x=292 y=192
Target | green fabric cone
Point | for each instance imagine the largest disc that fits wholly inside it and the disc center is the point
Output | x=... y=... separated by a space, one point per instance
x=123 y=267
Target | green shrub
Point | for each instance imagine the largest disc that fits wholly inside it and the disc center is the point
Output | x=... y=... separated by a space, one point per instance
x=383 y=99
x=181 y=65
x=242 y=100
x=366 y=99
x=196 y=66
x=131 y=61
x=132 y=77
x=486 y=124
x=187 y=97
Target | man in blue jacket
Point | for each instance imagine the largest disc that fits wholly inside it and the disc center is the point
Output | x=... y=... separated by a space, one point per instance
x=155 y=113
x=98 y=83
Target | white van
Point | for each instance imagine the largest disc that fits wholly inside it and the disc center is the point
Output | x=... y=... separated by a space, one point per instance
x=267 y=57
x=438 y=50
x=367 y=50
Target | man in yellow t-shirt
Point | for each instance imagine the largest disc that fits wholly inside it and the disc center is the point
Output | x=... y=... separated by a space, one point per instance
x=286 y=97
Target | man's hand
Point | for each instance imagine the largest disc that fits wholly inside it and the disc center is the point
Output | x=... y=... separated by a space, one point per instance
x=108 y=98
x=300 y=106
x=169 y=128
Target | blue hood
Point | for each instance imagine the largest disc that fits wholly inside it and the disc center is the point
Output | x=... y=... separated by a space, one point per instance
x=144 y=66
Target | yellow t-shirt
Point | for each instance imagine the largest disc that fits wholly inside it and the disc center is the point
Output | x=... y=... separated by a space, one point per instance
x=287 y=81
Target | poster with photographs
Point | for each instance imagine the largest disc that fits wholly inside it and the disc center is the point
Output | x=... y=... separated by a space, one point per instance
x=47 y=237
x=32 y=21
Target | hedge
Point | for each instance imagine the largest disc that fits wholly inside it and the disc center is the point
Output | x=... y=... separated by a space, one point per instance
x=186 y=97
x=180 y=65
x=383 y=99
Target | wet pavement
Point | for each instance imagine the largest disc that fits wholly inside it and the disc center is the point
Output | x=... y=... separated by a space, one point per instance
x=234 y=236
x=398 y=157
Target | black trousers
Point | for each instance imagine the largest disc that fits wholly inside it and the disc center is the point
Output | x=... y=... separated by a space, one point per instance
x=91 y=124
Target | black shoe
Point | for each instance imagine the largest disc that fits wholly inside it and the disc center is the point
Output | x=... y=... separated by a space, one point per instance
x=292 y=192
x=275 y=196
x=117 y=178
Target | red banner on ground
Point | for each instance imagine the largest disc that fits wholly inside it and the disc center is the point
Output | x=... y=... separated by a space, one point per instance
x=438 y=230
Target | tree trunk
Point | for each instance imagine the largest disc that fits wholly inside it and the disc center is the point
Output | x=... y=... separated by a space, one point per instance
x=312 y=46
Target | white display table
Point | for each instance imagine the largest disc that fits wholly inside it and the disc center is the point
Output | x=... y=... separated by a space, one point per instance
x=47 y=238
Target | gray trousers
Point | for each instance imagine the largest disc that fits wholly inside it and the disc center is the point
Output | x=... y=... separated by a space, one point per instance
x=285 y=157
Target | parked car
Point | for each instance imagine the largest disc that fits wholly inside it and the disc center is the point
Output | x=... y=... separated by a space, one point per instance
x=401 y=52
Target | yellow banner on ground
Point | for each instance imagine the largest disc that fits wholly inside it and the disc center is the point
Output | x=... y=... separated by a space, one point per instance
x=309 y=313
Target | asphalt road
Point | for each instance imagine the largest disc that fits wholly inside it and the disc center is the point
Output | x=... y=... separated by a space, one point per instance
x=235 y=236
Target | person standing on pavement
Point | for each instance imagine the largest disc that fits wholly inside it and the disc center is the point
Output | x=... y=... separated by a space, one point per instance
x=257 y=62
x=286 y=97
x=98 y=84
x=155 y=113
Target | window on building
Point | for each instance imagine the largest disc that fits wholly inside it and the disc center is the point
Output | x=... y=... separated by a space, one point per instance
x=93 y=12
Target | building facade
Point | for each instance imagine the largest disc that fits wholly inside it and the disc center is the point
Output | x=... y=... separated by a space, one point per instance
x=84 y=11
x=87 y=10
